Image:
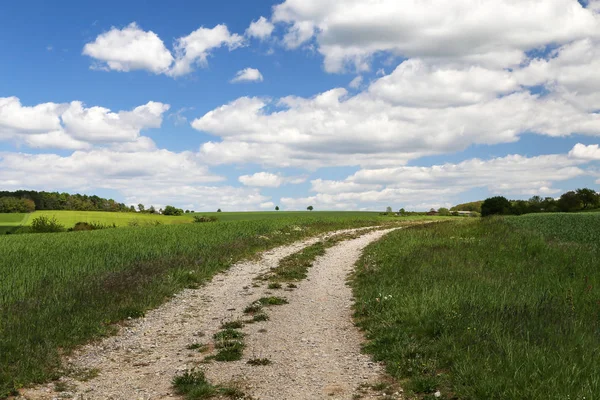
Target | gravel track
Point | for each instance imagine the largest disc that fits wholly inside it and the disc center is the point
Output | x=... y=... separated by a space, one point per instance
x=312 y=343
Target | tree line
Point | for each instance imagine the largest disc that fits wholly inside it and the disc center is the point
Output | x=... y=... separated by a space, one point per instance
x=31 y=200
x=584 y=199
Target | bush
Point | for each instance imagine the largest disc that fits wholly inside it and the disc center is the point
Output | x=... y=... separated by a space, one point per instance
x=91 y=226
x=44 y=224
x=204 y=218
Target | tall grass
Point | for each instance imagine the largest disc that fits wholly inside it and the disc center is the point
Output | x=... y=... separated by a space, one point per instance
x=62 y=289
x=482 y=310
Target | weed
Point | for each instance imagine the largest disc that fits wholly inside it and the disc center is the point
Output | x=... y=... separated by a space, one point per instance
x=260 y=317
x=193 y=385
x=230 y=350
x=274 y=285
x=253 y=308
x=259 y=361
x=228 y=334
x=201 y=347
x=272 y=301
x=232 y=325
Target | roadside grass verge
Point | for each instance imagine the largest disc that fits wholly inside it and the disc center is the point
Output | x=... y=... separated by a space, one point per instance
x=479 y=309
x=61 y=290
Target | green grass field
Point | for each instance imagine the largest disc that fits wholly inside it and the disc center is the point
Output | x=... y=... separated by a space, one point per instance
x=9 y=222
x=69 y=218
x=487 y=309
x=60 y=290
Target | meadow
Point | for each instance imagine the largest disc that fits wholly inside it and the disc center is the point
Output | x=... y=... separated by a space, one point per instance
x=60 y=290
x=502 y=308
x=11 y=222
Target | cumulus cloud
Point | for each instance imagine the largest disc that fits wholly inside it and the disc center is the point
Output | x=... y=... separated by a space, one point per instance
x=267 y=179
x=73 y=125
x=154 y=176
x=132 y=48
x=376 y=128
x=418 y=84
x=350 y=32
x=422 y=187
x=260 y=29
x=262 y=179
x=583 y=152
x=568 y=72
x=247 y=75
x=356 y=82
x=195 y=48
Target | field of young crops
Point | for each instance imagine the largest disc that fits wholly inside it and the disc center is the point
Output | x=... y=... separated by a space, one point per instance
x=581 y=227
x=59 y=290
x=501 y=308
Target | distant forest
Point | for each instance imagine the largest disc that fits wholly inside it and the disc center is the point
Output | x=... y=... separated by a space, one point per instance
x=58 y=201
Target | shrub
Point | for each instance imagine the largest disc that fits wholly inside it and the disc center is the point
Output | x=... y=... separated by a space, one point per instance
x=91 y=226
x=43 y=224
x=204 y=218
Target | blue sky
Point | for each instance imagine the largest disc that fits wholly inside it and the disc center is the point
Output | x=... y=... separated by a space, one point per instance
x=344 y=105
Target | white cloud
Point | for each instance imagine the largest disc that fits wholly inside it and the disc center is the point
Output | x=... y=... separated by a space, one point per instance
x=583 y=152
x=98 y=124
x=74 y=126
x=268 y=205
x=195 y=48
x=130 y=48
x=267 y=179
x=376 y=127
x=105 y=168
x=415 y=83
x=569 y=73
x=489 y=33
x=356 y=82
x=260 y=29
x=262 y=179
x=247 y=75
x=426 y=187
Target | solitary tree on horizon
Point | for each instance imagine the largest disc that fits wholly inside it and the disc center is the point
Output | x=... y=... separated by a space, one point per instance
x=276 y=208
x=310 y=208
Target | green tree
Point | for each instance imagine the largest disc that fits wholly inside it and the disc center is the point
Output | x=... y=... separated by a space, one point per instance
x=276 y=208
x=219 y=210
x=498 y=205
x=141 y=207
x=152 y=210
x=402 y=211
x=388 y=210
x=570 y=202
x=310 y=208
x=170 y=210
x=444 y=211
x=588 y=197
